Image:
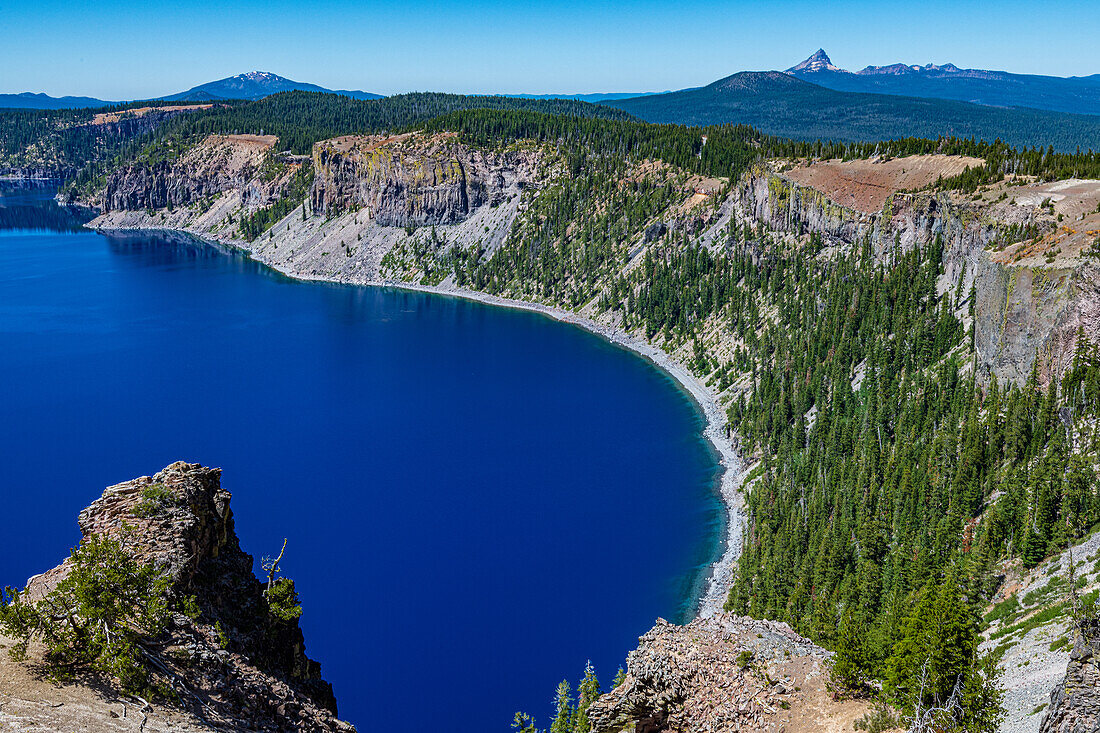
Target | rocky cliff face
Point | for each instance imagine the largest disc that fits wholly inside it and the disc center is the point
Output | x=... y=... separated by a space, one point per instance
x=411 y=179
x=1031 y=298
x=234 y=666
x=220 y=164
x=367 y=195
x=723 y=673
x=1075 y=704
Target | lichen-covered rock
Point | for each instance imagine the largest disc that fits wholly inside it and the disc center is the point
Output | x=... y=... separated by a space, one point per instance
x=241 y=667
x=411 y=180
x=1075 y=704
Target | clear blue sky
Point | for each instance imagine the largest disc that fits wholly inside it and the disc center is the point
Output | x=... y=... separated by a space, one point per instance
x=124 y=49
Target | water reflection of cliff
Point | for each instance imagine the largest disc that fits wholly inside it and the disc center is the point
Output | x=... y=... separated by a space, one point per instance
x=30 y=206
x=158 y=247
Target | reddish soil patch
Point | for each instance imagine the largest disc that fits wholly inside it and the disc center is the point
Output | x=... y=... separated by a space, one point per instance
x=264 y=141
x=865 y=185
x=104 y=118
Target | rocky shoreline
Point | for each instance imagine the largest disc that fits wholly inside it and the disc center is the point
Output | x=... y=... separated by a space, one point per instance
x=734 y=466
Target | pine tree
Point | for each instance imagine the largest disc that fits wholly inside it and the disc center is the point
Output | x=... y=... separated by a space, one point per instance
x=563 y=704
x=850 y=663
x=524 y=723
x=587 y=692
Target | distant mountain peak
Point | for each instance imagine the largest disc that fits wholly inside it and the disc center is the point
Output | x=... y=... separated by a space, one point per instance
x=255 y=85
x=929 y=71
x=893 y=69
x=260 y=76
x=819 y=61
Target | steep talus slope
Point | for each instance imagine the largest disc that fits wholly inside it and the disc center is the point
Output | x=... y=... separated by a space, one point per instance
x=231 y=666
x=1032 y=623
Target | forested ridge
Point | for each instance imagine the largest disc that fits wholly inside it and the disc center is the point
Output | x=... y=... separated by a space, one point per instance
x=892 y=482
x=299 y=119
x=65 y=140
x=780 y=104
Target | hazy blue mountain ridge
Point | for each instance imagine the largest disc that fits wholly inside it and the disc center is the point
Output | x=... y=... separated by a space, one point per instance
x=1074 y=94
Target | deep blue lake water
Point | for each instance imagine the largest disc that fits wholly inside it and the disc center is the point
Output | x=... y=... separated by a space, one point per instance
x=477 y=499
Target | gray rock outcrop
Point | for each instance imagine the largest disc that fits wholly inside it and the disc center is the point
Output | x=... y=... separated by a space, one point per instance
x=234 y=665
x=722 y=673
x=1022 y=311
x=411 y=180
x=219 y=164
x=1075 y=704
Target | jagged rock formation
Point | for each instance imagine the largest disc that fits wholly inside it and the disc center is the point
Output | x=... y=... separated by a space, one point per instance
x=1075 y=704
x=367 y=194
x=220 y=164
x=410 y=179
x=724 y=673
x=234 y=666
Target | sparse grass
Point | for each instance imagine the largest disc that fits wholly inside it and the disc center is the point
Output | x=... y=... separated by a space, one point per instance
x=1023 y=627
x=878 y=720
x=1054 y=586
x=1060 y=643
x=1004 y=610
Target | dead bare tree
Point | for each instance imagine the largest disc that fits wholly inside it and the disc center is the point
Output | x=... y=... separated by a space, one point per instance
x=272 y=566
x=931 y=719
